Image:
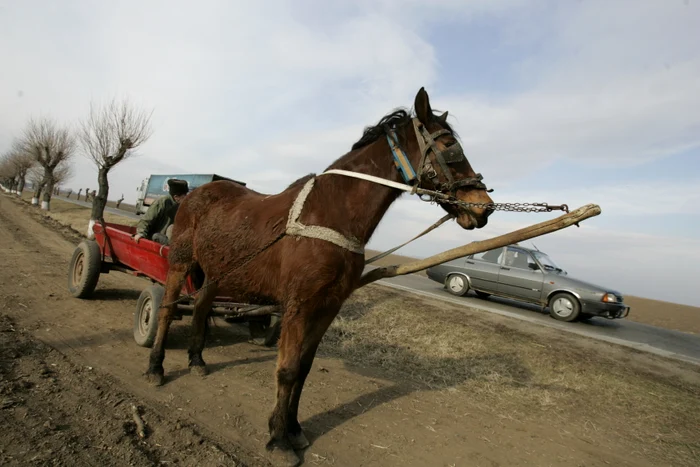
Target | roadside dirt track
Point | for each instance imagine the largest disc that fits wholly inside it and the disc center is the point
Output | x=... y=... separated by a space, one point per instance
x=71 y=405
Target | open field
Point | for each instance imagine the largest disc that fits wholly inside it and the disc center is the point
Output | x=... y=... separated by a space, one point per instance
x=112 y=204
x=400 y=380
x=77 y=217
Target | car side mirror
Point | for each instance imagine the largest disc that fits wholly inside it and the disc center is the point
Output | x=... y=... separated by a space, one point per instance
x=533 y=266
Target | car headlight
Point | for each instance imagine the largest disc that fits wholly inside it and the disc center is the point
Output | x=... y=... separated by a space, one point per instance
x=610 y=298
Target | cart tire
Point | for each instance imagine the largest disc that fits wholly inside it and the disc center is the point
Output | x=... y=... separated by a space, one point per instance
x=146 y=316
x=84 y=269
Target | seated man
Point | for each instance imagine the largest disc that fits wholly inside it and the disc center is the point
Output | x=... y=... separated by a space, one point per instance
x=155 y=224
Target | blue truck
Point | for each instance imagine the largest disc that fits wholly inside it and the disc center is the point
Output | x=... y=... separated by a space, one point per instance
x=156 y=186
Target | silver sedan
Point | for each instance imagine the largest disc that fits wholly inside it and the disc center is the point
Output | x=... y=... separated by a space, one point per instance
x=531 y=276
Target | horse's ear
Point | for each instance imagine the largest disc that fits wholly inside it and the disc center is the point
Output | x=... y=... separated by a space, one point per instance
x=443 y=118
x=422 y=106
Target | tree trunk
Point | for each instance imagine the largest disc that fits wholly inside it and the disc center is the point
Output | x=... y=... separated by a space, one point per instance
x=48 y=193
x=37 y=192
x=100 y=200
x=20 y=188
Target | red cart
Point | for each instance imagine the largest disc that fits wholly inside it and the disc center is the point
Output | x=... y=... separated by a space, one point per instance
x=114 y=249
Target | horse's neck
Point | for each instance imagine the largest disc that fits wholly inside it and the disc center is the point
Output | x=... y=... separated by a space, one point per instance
x=355 y=207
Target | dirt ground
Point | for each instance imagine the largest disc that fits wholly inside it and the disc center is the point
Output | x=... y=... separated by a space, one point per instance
x=399 y=381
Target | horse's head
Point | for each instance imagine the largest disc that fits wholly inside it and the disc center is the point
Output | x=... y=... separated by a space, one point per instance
x=443 y=167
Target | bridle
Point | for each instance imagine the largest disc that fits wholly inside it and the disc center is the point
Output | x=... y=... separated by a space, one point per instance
x=453 y=154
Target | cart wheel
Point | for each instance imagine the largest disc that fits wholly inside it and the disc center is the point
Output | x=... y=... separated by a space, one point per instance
x=84 y=269
x=146 y=316
x=265 y=332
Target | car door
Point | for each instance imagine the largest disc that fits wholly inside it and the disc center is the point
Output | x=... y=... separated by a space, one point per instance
x=517 y=278
x=483 y=269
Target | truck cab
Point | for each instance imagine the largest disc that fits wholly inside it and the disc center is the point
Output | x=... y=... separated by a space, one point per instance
x=156 y=186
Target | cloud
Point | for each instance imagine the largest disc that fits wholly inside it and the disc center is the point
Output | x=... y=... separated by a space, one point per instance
x=629 y=198
x=632 y=121
x=268 y=92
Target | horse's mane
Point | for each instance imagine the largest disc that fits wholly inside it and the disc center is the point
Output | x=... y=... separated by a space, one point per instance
x=396 y=120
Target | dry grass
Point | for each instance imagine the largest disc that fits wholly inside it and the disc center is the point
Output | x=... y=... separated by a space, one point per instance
x=516 y=370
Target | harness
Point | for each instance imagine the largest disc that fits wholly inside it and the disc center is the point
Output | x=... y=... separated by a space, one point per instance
x=446 y=189
x=445 y=192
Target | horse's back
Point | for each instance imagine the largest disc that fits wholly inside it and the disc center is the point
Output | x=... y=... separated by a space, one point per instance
x=227 y=221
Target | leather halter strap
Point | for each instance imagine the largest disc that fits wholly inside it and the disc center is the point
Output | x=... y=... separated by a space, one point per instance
x=426 y=143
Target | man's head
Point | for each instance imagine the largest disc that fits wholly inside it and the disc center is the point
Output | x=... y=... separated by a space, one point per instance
x=178 y=189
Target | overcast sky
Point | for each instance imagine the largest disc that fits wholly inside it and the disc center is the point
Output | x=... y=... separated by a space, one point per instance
x=566 y=101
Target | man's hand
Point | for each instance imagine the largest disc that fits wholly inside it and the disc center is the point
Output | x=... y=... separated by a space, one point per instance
x=137 y=237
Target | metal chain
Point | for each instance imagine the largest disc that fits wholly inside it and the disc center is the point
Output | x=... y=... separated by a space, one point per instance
x=512 y=207
x=519 y=207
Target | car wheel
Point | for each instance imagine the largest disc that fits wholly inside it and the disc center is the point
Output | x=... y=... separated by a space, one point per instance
x=481 y=294
x=564 y=307
x=457 y=285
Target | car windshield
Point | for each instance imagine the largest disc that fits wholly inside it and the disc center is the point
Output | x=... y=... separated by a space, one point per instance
x=546 y=261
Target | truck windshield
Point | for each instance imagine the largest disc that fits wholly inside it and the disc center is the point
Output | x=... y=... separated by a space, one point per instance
x=546 y=261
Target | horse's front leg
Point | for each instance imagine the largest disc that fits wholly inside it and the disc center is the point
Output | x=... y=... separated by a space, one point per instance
x=315 y=327
x=176 y=278
x=302 y=331
x=287 y=373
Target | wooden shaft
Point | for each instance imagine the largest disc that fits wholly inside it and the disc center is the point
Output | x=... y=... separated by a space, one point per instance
x=536 y=230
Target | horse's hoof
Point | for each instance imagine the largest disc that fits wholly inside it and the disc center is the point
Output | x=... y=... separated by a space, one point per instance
x=155 y=379
x=198 y=370
x=284 y=458
x=299 y=441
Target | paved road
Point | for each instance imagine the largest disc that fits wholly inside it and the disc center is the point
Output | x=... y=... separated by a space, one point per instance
x=675 y=344
x=88 y=204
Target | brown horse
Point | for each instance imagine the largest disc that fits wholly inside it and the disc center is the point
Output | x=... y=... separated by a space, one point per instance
x=303 y=249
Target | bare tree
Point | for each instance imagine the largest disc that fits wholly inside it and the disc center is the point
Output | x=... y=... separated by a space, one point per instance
x=8 y=172
x=16 y=163
x=22 y=161
x=62 y=174
x=110 y=135
x=36 y=177
x=51 y=146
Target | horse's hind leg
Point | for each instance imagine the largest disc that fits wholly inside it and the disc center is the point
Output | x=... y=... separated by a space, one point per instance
x=173 y=284
x=202 y=307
